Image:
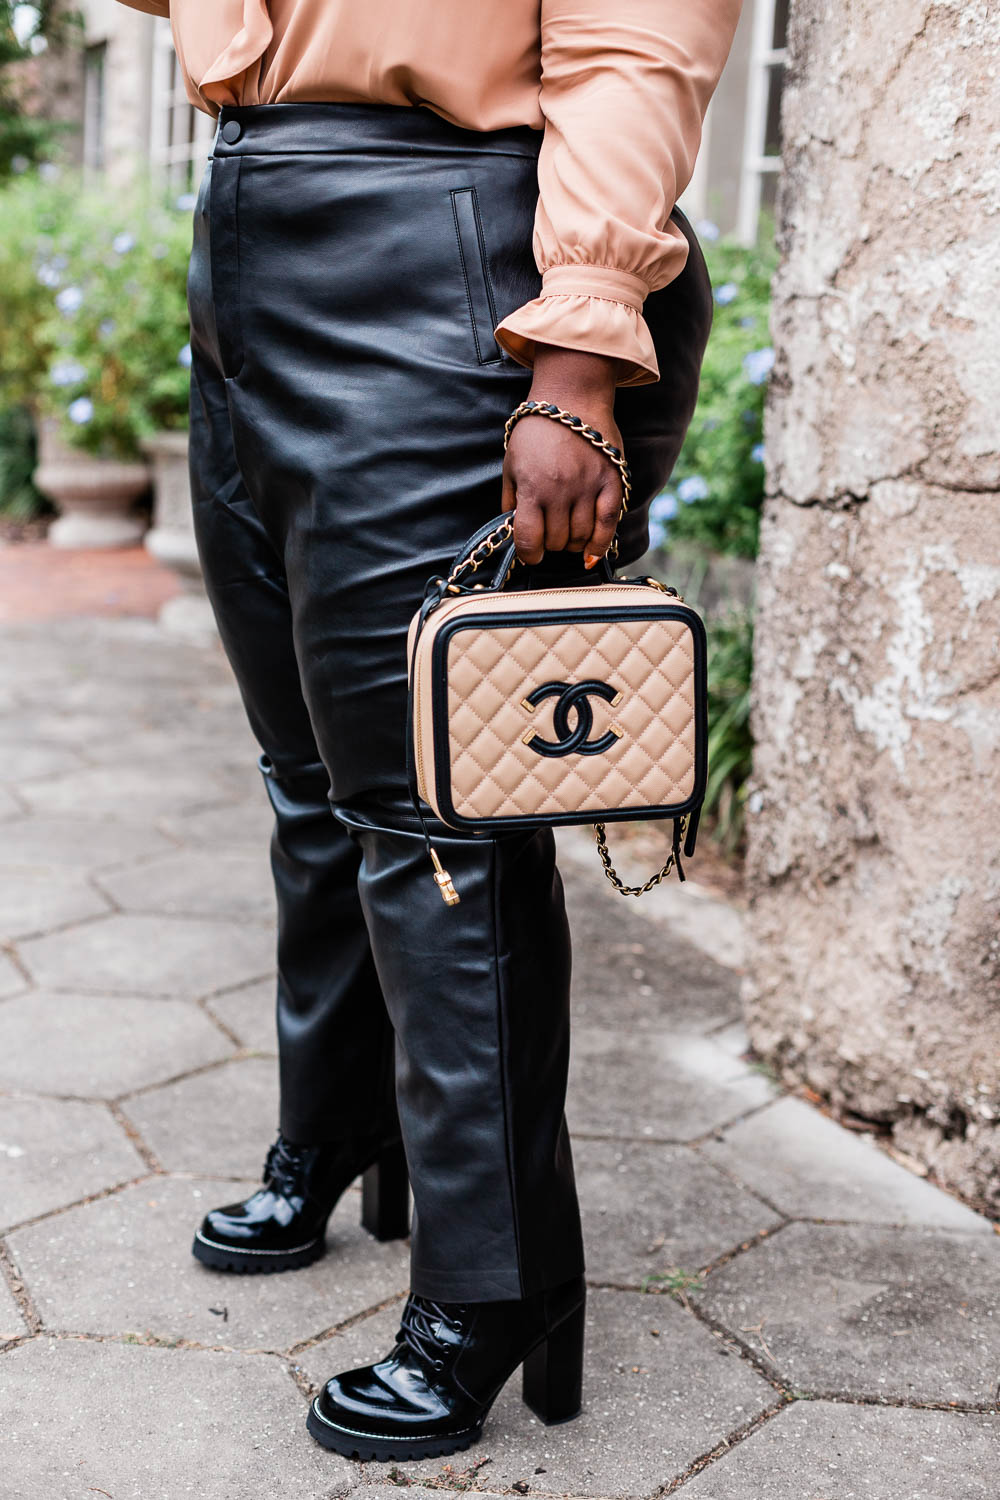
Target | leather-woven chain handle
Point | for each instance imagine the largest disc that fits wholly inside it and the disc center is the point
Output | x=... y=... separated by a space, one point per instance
x=505 y=531
x=601 y=837
x=594 y=438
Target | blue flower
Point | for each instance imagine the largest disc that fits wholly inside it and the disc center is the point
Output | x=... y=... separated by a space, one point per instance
x=693 y=488
x=19 y=164
x=123 y=242
x=80 y=411
x=657 y=533
x=69 y=300
x=48 y=171
x=663 y=508
x=757 y=365
x=159 y=250
x=726 y=293
x=106 y=328
x=757 y=453
x=186 y=202
x=706 y=230
x=66 y=372
x=749 y=321
x=184 y=357
x=48 y=274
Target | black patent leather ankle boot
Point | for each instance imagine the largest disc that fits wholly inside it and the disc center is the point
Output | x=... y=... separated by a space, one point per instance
x=282 y=1226
x=433 y=1392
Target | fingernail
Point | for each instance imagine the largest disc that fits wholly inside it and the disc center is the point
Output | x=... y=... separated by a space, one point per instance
x=590 y=559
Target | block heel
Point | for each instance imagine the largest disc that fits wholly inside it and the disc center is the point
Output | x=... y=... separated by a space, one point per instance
x=552 y=1374
x=385 y=1196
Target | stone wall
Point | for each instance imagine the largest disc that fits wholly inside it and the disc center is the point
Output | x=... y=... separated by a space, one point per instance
x=874 y=865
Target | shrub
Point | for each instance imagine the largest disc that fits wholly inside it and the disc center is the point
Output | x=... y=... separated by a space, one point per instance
x=714 y=498
x=95 y=316
x=715 y=492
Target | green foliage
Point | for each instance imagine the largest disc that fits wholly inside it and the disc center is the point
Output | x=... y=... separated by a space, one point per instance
x=96 y=322
x=717 y=486
x=713 y=502
x=19 y=500
x=730 y=745
x=26 y=139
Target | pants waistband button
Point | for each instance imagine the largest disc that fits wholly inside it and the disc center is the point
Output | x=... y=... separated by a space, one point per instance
x=231 y=132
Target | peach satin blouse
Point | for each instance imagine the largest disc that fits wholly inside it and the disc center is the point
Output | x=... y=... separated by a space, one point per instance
x=619 y=87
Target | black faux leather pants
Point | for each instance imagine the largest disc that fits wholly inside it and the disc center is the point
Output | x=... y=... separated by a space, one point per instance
x=347 y=408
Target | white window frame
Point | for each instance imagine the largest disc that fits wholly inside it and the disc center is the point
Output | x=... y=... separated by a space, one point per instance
x=756 y=166
x=182 y=161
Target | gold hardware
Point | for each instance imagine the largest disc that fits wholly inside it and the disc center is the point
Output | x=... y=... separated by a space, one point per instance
x=527 y=736
x=616 y=700
x=528 y=707
x=445 y=885
x=616 y=730
x=601 y=838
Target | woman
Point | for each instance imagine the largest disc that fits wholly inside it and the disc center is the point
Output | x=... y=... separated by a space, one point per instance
x=416 y=214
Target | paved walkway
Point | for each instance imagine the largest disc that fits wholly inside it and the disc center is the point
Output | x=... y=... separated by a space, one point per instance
x=778 y=1310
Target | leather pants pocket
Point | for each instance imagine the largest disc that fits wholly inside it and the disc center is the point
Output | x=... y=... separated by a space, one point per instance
x=224 y=241
x=476 y=272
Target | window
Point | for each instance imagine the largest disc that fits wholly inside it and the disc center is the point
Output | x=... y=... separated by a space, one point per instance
x=180 y=135
x=762 y=133
x=94 y=75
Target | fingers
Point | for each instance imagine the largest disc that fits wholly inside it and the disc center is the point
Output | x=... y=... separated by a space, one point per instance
x=606 y=513
x=508 y=498
x=529 y=530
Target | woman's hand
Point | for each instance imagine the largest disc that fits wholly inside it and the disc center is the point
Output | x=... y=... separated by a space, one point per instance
x=566 y=494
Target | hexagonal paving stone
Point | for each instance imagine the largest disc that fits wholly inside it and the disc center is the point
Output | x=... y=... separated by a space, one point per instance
x=83 y=843
x=138 y=1423
x=899 y=1313
x=123 y=1264
x=132 y=955
x=12 y=981
x=9 y=806
x=24 y=758
x=197 y=882
x=810 y=1167
x=652 y=1402
x=53 y=1152
x=12 y=1325
x=249 y=1012
x=35 y=899
x=866 y=1452
x=235 y=824
x=650 y=1209
x=668 y=1085
x=101 y=1046
x=129 y=792
x=220 y=1122
x=659 y=980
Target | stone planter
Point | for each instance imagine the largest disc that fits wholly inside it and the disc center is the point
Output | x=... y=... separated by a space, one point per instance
x=171 y=538
x=96 y=497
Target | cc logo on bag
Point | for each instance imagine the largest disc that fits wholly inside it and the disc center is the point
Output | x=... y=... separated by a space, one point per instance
x=575 y=696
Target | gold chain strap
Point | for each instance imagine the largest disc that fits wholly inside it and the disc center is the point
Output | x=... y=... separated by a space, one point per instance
x=601 y=837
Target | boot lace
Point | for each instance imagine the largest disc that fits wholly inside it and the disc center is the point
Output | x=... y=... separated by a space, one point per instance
x=283 y=1167
x=417 y=1329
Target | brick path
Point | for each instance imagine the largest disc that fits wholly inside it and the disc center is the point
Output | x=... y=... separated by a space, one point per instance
x=817 y=1324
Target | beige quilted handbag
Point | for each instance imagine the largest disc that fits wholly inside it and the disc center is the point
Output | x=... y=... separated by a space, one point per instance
x=582 y=703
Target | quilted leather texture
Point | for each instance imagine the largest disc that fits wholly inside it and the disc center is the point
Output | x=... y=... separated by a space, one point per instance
x=495 y=774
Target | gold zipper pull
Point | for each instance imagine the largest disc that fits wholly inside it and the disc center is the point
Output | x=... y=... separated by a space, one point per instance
x=449 y=895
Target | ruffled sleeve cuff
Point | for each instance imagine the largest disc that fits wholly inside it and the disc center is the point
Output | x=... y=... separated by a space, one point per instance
x=597 y=309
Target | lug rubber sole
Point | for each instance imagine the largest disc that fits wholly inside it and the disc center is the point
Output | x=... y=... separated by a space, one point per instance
x=256 y=1262
x=361 y=1446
